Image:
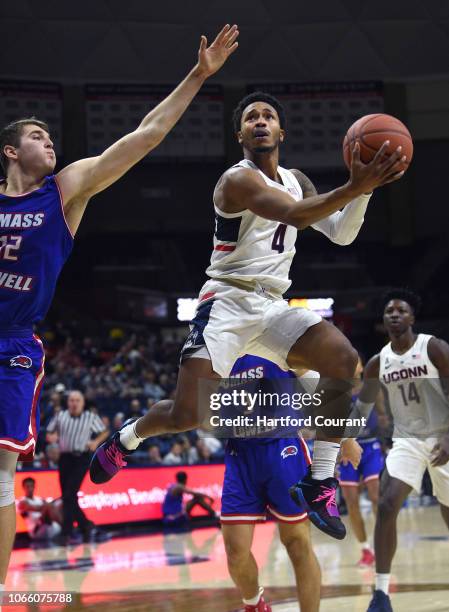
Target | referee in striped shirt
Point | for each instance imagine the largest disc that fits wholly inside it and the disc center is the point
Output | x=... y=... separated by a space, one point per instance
x=79 y=432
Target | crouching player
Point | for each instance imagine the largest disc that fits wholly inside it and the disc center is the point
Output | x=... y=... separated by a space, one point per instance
x=259 y=472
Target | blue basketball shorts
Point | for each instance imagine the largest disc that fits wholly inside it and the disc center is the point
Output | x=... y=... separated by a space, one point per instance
x=370 y=466
x=21 y=378
x=257 y=477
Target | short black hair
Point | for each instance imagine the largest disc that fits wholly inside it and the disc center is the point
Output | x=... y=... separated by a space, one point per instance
x=405 y=295
x=257 y=96
x=11 y=133
x=181 y=477
x=28 y=479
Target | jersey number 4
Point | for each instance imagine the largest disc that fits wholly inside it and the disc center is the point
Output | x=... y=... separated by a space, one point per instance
x=278 y=238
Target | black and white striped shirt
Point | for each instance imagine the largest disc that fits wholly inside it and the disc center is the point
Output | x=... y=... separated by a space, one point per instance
x=75 y=431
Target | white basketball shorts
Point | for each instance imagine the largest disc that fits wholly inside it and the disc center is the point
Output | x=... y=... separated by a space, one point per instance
x=231 y=322
x=408 y=460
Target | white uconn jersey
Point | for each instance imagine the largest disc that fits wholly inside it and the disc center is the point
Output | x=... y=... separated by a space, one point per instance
x=413 y=387
x=252 y=249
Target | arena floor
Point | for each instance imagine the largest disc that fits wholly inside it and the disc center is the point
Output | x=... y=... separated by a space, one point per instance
x=187 y=572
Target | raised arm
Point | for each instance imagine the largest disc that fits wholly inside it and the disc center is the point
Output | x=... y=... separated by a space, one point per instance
x=84 y=178
x=343 y=226
x=243 y=187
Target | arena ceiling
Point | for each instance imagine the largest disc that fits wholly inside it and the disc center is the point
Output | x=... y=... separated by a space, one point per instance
x=294 y=40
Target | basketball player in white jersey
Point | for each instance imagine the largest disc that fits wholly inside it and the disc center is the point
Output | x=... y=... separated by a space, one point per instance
x=413 y=371
x=259 y=208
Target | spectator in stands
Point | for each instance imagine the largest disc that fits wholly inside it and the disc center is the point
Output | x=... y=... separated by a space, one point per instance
x=89 y=352
x=174 y=457
x=189 y=454
x=151 y=387
x=52 y=455
x=213 y=444
x=135 y=409
x=118 y=420
x=154 y=455
x=204 y=454
x=150 y=402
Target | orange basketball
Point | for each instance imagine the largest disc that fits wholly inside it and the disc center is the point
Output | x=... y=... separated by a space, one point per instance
x=372 y=131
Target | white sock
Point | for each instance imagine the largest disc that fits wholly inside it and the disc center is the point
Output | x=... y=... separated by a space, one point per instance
x=324 y=459
x=382 y=582
x=129 y=437
x=365 y=545
x=254 y=600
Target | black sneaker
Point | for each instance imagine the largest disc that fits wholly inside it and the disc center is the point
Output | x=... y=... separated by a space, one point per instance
x=109 y=458
x=318 y=498
x=380 y=602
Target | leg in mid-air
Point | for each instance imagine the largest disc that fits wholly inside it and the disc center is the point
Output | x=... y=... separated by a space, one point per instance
x=187 y=411
x=325 y=349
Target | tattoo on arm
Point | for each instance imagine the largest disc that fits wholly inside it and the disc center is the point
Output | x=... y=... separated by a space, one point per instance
x=308 y=188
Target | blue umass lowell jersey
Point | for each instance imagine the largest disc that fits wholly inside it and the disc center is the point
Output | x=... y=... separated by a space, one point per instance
x=260 y=470
x=253 y=368
x=34 y=245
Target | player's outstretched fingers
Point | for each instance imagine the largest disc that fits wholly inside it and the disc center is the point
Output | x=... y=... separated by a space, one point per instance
x=221 y=34
x=393 y=177
x=380 y=155
x=355 y=153
x=388 y=165
x=231 y=37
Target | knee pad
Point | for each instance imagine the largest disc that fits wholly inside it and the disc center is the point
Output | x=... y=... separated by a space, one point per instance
x=8 y=463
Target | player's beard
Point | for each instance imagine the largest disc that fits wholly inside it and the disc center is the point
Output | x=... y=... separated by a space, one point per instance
x=266 y=148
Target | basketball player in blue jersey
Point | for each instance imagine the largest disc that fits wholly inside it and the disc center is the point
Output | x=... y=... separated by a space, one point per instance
x=259 y=208
x=260 y=468
x=174 y=514
x=39 y=215
x=413 y=372
x=367 y=473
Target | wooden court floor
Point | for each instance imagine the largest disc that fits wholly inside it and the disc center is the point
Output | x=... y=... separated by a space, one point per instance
x=188 y=573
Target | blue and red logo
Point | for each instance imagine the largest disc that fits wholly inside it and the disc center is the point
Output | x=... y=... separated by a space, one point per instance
x=289 y=450
x=20 y=361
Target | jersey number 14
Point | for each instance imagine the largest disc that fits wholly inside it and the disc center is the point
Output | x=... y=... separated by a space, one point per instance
x=409 y=393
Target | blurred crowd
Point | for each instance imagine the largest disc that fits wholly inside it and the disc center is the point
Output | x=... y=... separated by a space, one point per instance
x=121 y=373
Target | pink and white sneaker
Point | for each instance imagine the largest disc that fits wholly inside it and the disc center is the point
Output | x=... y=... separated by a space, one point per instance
x=318 y=497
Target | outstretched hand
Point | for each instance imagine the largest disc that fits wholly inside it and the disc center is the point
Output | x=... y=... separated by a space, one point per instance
x=212 y=58
x=382 y=169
